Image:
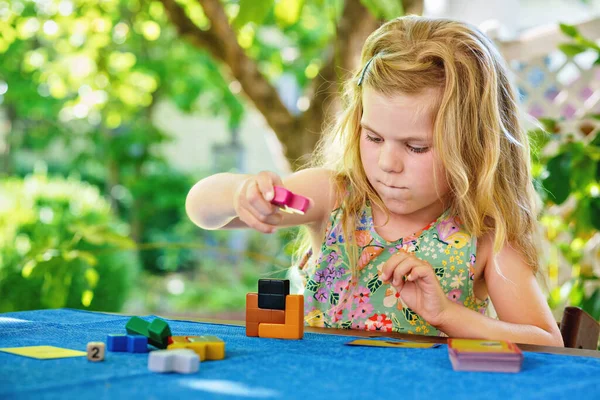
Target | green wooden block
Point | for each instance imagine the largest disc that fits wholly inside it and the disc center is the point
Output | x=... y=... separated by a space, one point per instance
x=137 y=326
x=159 y=332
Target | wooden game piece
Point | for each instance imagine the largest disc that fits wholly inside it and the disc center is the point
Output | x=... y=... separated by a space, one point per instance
x=157 y=331
x=206 y=347
x=252 y=316
x=116 y=342
x=95 y=351
x=160 y=361
x=137 y=344
x=186 y=362
x=289 y=202
x=215 y=347
x=293 y=328
x=272 y=292
x=198 y=348
x=183 y=361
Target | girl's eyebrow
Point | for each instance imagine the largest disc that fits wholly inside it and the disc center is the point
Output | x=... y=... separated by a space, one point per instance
x=404 y=139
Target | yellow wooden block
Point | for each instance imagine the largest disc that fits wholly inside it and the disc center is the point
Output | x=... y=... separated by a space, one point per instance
x=198 y=348
x=215 y=347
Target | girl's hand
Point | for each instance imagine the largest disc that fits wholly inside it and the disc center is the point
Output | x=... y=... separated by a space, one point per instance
x=415 y=281
x=252 y=202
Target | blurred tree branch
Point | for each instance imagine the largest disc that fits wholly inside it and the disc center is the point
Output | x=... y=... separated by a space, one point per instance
x=298 y=134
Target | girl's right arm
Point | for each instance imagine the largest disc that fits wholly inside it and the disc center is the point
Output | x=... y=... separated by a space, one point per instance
x=224 y=201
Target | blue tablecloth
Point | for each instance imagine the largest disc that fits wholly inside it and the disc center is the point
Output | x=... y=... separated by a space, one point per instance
x=319 y=366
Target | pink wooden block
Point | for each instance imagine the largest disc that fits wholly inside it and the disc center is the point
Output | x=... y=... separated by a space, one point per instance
x=285 y=198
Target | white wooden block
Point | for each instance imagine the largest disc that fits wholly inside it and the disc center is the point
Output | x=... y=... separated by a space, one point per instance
x=186 y=361
x=183 y=361
x=96 y=351
x=160 y=361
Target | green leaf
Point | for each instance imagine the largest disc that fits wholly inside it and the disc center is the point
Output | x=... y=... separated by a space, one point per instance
x=591 y=305
x=287 y=12
x=409 y=314
x=571 y=49
x=85 y=256
x=583 y=172
x=569 y=30
x=439 y=271
x=558 y=183
x=255 y=11
x=346 y=325
x=384 y=9
x=374 y=283
x=334 y=298
x=396 y=321
x=595 y=211
x=312 y=285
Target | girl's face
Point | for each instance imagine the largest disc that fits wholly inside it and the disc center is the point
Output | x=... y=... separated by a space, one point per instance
x=396 y=151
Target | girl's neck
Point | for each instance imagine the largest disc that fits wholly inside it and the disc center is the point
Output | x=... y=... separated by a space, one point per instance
x=403 y=225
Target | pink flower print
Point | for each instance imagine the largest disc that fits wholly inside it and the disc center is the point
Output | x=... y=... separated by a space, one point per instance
x=359 y=325
x=454 y=295
x=336 y=314
x=342 y=287
x=361 y=295
x=379 y=322
x=447 y=228
x=363 y=311
x=345 y=302
x=321 y=295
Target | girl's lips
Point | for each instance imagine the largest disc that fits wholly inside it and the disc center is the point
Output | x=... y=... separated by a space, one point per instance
x=392 y=186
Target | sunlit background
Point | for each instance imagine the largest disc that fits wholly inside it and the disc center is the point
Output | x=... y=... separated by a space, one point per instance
x=111 y=110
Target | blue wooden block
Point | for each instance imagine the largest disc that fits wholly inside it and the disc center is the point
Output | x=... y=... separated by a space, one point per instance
x=137 y=344
x=116 y=342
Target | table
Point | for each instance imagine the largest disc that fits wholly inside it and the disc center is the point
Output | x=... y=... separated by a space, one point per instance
x=319 y=366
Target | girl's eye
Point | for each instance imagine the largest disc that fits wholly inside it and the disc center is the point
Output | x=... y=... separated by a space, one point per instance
x=373 y=139
x=418 y=150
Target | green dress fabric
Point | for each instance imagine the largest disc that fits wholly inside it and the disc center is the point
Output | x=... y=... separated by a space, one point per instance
x=333 y=299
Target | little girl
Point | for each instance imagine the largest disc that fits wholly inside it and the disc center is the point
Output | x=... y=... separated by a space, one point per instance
x=422 y=204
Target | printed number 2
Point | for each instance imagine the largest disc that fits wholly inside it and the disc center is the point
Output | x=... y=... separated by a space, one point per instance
x=95 y=351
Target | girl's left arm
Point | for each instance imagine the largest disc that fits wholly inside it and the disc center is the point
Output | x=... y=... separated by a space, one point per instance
x=524 y=315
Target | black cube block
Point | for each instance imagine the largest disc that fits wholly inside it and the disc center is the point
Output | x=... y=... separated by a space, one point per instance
x=272 y=293
x=274 y=286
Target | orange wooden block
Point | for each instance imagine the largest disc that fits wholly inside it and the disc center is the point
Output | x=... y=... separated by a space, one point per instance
x=252 y=329
x=277 y=316
x=252 y=315
x=293 y=328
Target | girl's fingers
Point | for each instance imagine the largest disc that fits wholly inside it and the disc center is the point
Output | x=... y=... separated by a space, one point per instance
x=403 y=268
x=424 y=272
x=388 y=268
x=253 y=222
x=266 y=180
x=257 y=201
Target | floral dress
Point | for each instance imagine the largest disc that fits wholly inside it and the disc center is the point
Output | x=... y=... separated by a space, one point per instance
x=333 y=299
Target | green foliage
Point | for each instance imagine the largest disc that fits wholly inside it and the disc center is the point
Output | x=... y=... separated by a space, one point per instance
x=569 y=176
x=384 y=9
x=60 y=246
x=579 y=43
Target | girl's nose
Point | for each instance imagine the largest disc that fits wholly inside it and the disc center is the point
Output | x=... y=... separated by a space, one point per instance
x=390 y=160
